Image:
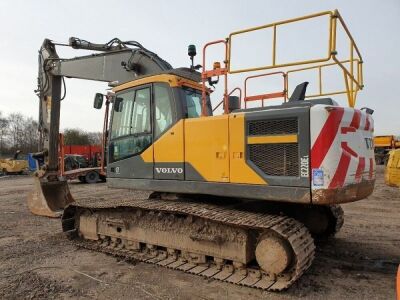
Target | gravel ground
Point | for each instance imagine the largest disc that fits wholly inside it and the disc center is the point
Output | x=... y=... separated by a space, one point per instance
x=37 y=261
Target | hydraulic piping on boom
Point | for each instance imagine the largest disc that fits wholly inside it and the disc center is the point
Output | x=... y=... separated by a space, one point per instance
x=117 y=62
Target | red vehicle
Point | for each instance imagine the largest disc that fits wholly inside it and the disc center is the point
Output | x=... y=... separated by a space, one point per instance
x=82 y=163
x=90 y=152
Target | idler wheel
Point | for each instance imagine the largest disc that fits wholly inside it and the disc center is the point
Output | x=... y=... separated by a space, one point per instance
x=273 y=254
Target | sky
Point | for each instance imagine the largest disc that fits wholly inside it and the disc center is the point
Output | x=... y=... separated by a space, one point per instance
x=168 y=27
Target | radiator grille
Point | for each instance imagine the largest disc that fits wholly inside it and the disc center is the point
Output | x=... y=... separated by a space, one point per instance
x=279 y=126
x=276 y=159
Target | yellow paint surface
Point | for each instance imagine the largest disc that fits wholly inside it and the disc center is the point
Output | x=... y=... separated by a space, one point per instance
x=384 y=140
x=172 y=80
x=206 y=147
x=169 y=147
x=147 y=155
x=272 y=139
x=240 y=172
x=392 y=172
x=205 y=144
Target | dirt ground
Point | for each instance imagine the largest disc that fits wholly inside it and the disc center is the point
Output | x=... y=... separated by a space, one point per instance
x=37 y=261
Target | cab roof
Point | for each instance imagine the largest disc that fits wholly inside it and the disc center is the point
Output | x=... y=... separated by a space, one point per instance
x=175 y=78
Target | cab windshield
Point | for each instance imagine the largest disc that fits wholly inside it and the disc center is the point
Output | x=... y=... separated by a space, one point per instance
x=80 y=159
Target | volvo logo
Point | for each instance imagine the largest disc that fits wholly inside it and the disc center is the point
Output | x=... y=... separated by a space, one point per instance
x=169 y=170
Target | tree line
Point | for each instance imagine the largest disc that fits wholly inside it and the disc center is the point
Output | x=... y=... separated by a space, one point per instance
x=18 y=132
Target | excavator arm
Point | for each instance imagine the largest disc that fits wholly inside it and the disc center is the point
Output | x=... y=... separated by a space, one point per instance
x=115 y=62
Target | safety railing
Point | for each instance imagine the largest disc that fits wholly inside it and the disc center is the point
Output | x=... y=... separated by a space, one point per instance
x=231 y=92
x=351 y=64
x=265 y=96
x=207 y=75
x=354 y=89
x=274 y=27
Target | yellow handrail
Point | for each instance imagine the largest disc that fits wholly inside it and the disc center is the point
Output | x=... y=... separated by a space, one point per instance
x=353 y=83
x=354 y=89
x=274 y=25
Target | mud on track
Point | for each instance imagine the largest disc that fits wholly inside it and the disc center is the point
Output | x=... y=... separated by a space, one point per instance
x=37 y=261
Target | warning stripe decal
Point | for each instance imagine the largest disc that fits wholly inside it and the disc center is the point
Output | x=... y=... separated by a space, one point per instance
x=360 y=168
x=344 y=163
x=340 y=174
x=341 y=152
x=326 y=137
x=371 y=168
x=367 y=123
x=355 y=122
x=346 y=148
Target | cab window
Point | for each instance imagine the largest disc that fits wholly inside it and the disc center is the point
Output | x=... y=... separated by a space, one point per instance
x=131 y=124
x=121 y=122
x=193 y=103
x=163 y=109
x=141 y=122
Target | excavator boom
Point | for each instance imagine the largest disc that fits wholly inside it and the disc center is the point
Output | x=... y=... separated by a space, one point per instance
x=118 y=62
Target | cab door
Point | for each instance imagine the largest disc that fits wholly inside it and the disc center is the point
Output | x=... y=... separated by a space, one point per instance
x=168 y=134
x=131 y=134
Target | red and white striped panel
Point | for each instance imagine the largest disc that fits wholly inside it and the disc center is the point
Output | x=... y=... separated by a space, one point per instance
x=341 y=147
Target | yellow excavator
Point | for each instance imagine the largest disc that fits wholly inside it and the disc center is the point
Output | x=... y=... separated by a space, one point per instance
x=13 y=165
x=238 y=196
x=383 y=145
x=392 y=169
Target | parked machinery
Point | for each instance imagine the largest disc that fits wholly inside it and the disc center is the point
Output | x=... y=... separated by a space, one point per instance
x=13 y=165
x=392 y=170
x=383 y=145
x=236 y=197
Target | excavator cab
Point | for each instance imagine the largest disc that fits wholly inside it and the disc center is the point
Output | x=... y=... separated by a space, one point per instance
x=147 y=121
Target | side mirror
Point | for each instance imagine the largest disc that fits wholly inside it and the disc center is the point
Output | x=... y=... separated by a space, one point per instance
x=118 y=104
x=233 y=103
x=98 y=101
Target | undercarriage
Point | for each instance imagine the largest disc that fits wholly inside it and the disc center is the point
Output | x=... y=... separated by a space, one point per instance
x=240 y=242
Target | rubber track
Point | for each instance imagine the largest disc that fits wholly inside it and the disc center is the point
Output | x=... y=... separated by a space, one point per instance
x=293 y=231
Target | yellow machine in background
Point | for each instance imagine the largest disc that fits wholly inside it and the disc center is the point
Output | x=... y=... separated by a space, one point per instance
x=392 y=171
x=13 y=166
x=383 y=144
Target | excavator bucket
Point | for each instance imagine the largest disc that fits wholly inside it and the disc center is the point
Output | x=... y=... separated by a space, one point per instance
x=49 y=198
